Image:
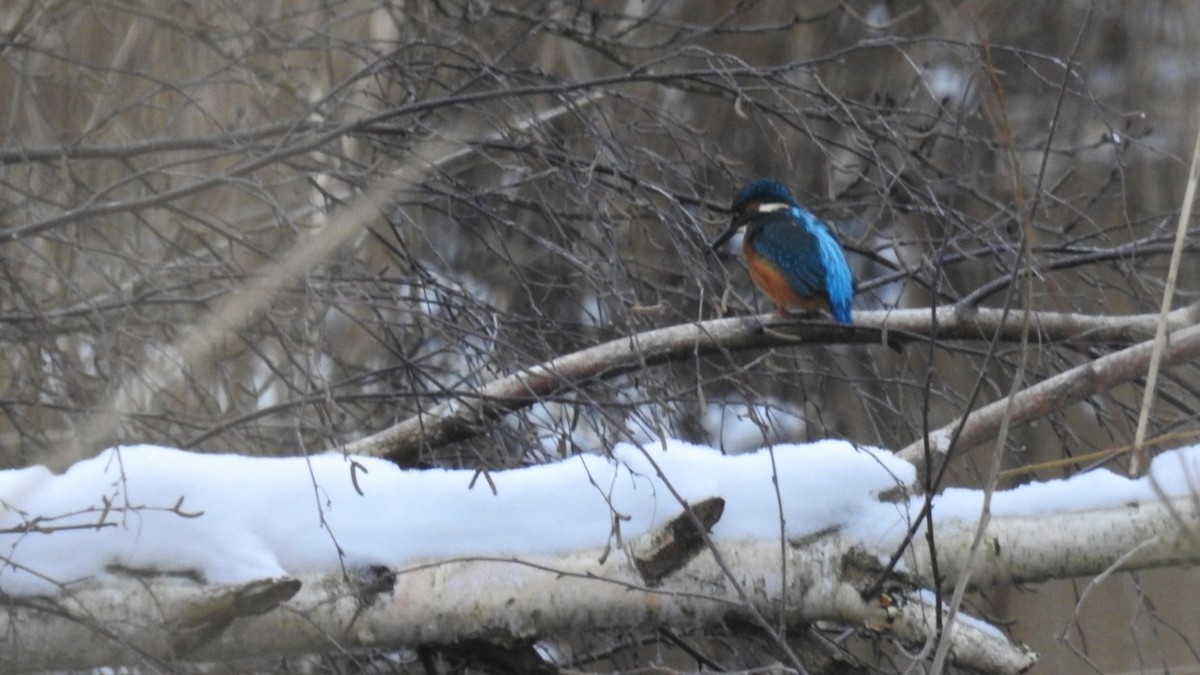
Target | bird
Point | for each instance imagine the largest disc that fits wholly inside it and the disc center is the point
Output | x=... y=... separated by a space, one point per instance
x=794 y=258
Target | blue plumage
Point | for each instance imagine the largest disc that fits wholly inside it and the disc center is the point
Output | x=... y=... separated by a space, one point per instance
x=793 y=256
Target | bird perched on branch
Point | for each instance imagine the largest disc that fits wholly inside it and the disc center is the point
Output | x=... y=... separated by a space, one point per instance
x=793 y=257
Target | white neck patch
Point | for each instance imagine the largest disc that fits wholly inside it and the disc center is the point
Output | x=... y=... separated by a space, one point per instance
x=772 y=206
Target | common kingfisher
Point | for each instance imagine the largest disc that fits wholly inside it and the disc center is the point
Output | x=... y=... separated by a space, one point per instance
x=794 y=258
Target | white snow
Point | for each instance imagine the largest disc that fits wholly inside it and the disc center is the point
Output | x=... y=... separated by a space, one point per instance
x=1177 y=473
x=229 y=518
x=929 y=599
x=255 y=517
x=738 y=426
x=554 y=425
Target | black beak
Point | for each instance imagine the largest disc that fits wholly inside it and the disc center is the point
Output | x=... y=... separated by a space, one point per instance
x=734 y=226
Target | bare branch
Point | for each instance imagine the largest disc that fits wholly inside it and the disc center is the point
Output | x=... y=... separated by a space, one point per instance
x=471 y=413
x=1053 y=394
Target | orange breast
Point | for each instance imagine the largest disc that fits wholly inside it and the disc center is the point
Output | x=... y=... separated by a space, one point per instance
x=775 y=286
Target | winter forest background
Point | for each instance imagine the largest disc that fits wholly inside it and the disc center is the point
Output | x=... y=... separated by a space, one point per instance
x=273 y=228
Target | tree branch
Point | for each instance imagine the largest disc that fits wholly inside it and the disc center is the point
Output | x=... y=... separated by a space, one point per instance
x=1030 y=549
x=482 y=598
x=459 y=600
x=471 y=413
x=1063 y=389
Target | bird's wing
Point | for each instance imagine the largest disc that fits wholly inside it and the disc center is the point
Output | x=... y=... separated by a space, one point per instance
x=838 y=280
x=795 y=252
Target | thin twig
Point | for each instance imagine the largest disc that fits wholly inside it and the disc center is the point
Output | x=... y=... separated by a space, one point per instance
x=1137 y=460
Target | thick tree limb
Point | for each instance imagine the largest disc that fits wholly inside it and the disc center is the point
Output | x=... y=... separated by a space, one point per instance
x=471 y=413
x=1030 y=549
x=455 y=601
x=494 y=599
